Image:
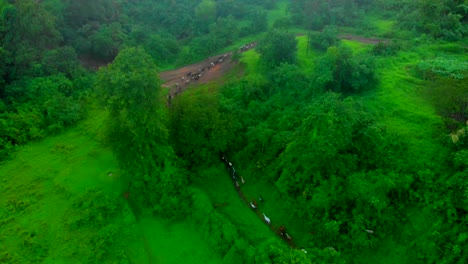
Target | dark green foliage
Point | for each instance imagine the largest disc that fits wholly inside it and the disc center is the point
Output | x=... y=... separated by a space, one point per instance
x=289 y=80
x=277 y=47
x=315 y=14
x=439 y=19
x=38 y=107
x=163 y=48
x=198 y=130
x=95 y=209
x=272 y=251
x=337 y=133
x=448 y=89
x=257 y=22
x=387 y=49
x=340 y=71
x=25 y=43
x=328 y=37
x=130 y=89
x=106 y=42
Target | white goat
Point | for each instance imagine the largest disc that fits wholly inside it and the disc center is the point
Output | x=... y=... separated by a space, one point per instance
x=267 y=220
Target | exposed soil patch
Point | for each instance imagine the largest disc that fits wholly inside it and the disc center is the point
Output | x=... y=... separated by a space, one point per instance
x=205 y=71
x=181 y=78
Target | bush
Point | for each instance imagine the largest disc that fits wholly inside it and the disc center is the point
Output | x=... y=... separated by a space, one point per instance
x=340 y=71
x=328 y=37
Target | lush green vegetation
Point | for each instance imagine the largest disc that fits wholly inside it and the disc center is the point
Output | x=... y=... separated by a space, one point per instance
x=347 y=125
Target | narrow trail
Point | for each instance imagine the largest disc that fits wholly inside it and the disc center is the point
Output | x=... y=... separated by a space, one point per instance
x=281 y=230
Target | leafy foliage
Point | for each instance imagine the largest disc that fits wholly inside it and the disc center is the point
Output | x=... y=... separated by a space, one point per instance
x=130 y=88
x=198 y=130
x=439 y=19
x=444 y=67
x=315 y=14
x=277 y=47
x=340 y=71
x=328 y=37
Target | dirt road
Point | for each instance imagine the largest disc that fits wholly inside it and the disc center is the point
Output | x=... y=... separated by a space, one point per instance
x=202 y=72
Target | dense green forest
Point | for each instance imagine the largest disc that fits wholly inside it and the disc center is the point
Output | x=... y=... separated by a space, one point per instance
x=323 y=132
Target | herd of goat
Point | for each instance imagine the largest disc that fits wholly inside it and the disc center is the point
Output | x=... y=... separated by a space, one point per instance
x=193 y=76
x=253 y=204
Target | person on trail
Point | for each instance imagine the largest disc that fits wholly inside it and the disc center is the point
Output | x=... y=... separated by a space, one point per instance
x=242 y=180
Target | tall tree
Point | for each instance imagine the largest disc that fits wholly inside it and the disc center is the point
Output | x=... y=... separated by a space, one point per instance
x=277 y=47
x=130 y=88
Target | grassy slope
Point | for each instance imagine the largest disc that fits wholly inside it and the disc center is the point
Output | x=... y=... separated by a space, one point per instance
x=40 y=183
x=218 y=184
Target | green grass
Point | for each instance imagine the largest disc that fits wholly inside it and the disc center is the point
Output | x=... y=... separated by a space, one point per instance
x=218 y=184
x=251 y=61
x=278 y=13
x=305 y=59
x=403 y=109
x=383 y=26
x=39 y=185
x=305 y=55
x=176 y=243
x=356 y=46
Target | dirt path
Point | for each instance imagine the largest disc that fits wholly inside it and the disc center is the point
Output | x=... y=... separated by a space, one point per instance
x=182 y=78
x=238 y=181
x=205 y=71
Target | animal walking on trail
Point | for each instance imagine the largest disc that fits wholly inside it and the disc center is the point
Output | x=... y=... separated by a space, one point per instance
x=253 y=205
x=267 y=220
x=282 y=230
